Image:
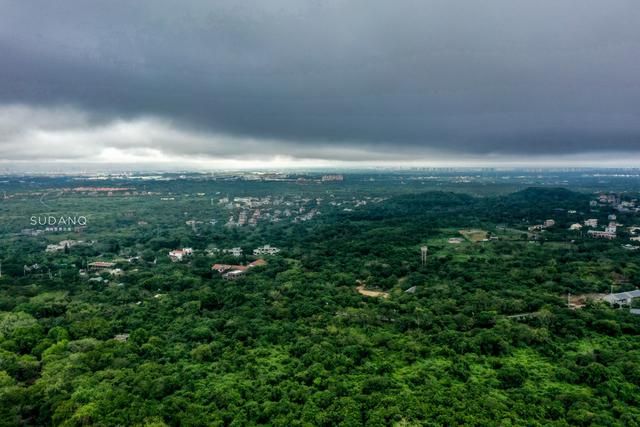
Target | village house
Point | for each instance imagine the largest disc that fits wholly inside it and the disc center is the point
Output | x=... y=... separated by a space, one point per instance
x=547 y=224
x=236 y=252
x=236 y=270
x=179 y=254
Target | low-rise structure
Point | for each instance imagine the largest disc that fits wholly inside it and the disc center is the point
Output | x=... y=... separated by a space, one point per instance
x=601 y=234
x=231 y=268
x=179 y=254
x=233 y=274
x=101 y=265
x=121 y=337
x=622 y=298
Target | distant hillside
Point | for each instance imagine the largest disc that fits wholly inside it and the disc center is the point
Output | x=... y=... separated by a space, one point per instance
x=557 y=196
x=416 y=205
x=536 y=203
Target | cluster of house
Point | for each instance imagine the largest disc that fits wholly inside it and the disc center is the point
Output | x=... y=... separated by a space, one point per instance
x=179 y=254
x=609 y=231
x=233 y=272
x=306 y=216
x=334 y=177
x=52 y=229
x=60 y=246
x=251 y=210
x=243 y=219
x=616 y=202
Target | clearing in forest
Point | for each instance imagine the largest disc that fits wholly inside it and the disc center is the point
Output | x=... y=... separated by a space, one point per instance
x=474 y=235
x=581 y=300
x=368 y=293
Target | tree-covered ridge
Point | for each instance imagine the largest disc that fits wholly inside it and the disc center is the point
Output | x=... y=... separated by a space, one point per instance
x=294 y=343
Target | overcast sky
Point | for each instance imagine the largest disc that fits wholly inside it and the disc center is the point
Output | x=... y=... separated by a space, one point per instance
x=320 y=82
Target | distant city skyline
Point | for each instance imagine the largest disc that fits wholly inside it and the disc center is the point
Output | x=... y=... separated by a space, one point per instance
x=158 y=85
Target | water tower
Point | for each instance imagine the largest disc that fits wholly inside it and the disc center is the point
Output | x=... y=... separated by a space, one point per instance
x=423 y=251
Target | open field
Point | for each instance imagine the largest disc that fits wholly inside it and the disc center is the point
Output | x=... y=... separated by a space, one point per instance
x=474 y=235
x=368 y=293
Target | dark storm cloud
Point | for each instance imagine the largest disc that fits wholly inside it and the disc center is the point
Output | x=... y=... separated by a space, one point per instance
x=315 y=78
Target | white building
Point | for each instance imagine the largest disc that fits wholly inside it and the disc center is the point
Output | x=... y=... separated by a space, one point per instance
x=266 y=250
x=233 y=275
x=575 y=227
x=549 y=223
x=622 y=298
x=233 y=251
x=592 y=222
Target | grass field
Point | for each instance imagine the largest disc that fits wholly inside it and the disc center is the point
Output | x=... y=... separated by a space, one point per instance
x=474 y=235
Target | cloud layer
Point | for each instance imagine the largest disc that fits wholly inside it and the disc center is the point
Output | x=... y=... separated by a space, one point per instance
x=326 y=80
